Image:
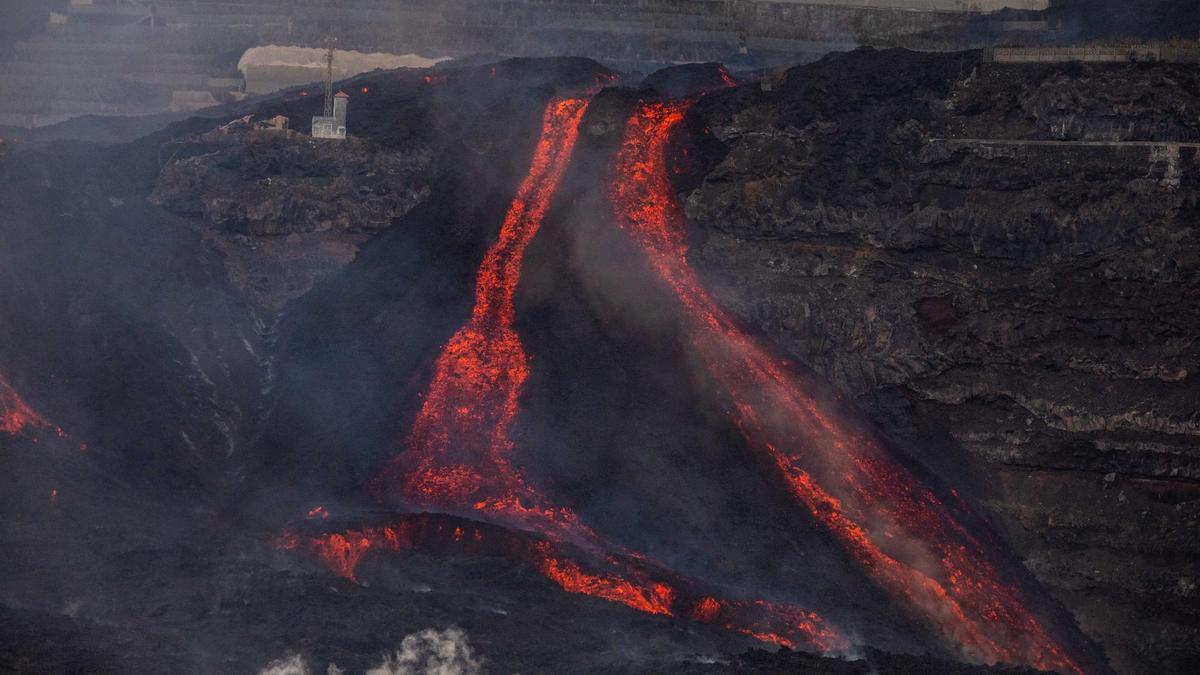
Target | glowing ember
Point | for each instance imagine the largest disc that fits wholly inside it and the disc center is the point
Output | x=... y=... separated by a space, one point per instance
x=648 y=597
x=726 y=78
x=606 y=79
x=778 y=624
x=317 y=512
x=458 y=452
x=15 y=415
x=900 y=531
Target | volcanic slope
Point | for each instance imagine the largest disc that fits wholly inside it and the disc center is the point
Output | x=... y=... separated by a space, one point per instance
x=199 y=424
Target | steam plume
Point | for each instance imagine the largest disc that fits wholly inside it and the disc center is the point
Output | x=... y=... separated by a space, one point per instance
x=432 y=652
x=288 y=665
x=428 y=652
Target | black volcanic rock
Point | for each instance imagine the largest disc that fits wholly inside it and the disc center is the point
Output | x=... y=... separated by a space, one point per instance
x=286 y=209
x=688 y=79
x=245 y=180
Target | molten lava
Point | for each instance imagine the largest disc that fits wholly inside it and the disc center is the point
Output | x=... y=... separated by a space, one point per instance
x=458 y=452
x=625 y=579
x=901 y=532
x=458 y=455
x=15 y=415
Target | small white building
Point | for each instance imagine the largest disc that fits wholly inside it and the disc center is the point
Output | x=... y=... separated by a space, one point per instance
x=335 y=126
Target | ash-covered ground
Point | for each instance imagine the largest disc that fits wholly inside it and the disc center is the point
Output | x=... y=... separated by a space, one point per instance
x=231 y=326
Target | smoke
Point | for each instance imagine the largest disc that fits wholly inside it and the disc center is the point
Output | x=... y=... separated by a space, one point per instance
x=431 y=652
x=288 y=665
x=428 y=652
x=295 y=665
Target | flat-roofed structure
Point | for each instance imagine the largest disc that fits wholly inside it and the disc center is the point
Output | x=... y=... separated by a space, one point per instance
x=333 y=126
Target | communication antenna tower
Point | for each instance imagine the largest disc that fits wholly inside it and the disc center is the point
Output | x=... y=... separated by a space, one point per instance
x=329 y=44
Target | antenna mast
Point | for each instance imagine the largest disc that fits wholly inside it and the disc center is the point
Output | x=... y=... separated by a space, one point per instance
x=329 y=77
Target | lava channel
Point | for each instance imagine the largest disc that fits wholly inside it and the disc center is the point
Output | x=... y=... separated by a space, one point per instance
x=629 y=580
x=908 y=540
x=458 y=453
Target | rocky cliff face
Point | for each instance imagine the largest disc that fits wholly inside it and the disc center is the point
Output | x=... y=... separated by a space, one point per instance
x=286 y=209
x=244 y=179
x=1001 y=263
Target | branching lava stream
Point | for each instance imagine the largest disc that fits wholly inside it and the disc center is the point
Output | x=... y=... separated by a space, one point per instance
x=458 y=456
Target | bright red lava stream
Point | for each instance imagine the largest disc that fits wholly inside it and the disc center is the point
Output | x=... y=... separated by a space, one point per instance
x=458 y=453
x=15 y=415
x=906 y=538
x=616 y=577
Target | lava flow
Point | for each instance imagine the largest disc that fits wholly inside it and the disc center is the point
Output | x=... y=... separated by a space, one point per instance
x=458 y=452
x=15 y=415
x=905 y=537
x=458 y=456
x=626 y=579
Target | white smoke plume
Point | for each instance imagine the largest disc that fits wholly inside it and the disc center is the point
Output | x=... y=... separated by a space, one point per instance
x=288 y=665
x=429 y=652
x=295 y=665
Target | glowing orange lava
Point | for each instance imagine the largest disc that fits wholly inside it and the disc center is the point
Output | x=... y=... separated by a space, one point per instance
x=901 y=532
x=623 y=579
x=458 y=452
x=15 y=415
x=771 y=622
x=459 y=456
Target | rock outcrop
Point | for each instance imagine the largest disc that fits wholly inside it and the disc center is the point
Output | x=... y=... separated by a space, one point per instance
x=286 y=209
x=241 y=179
